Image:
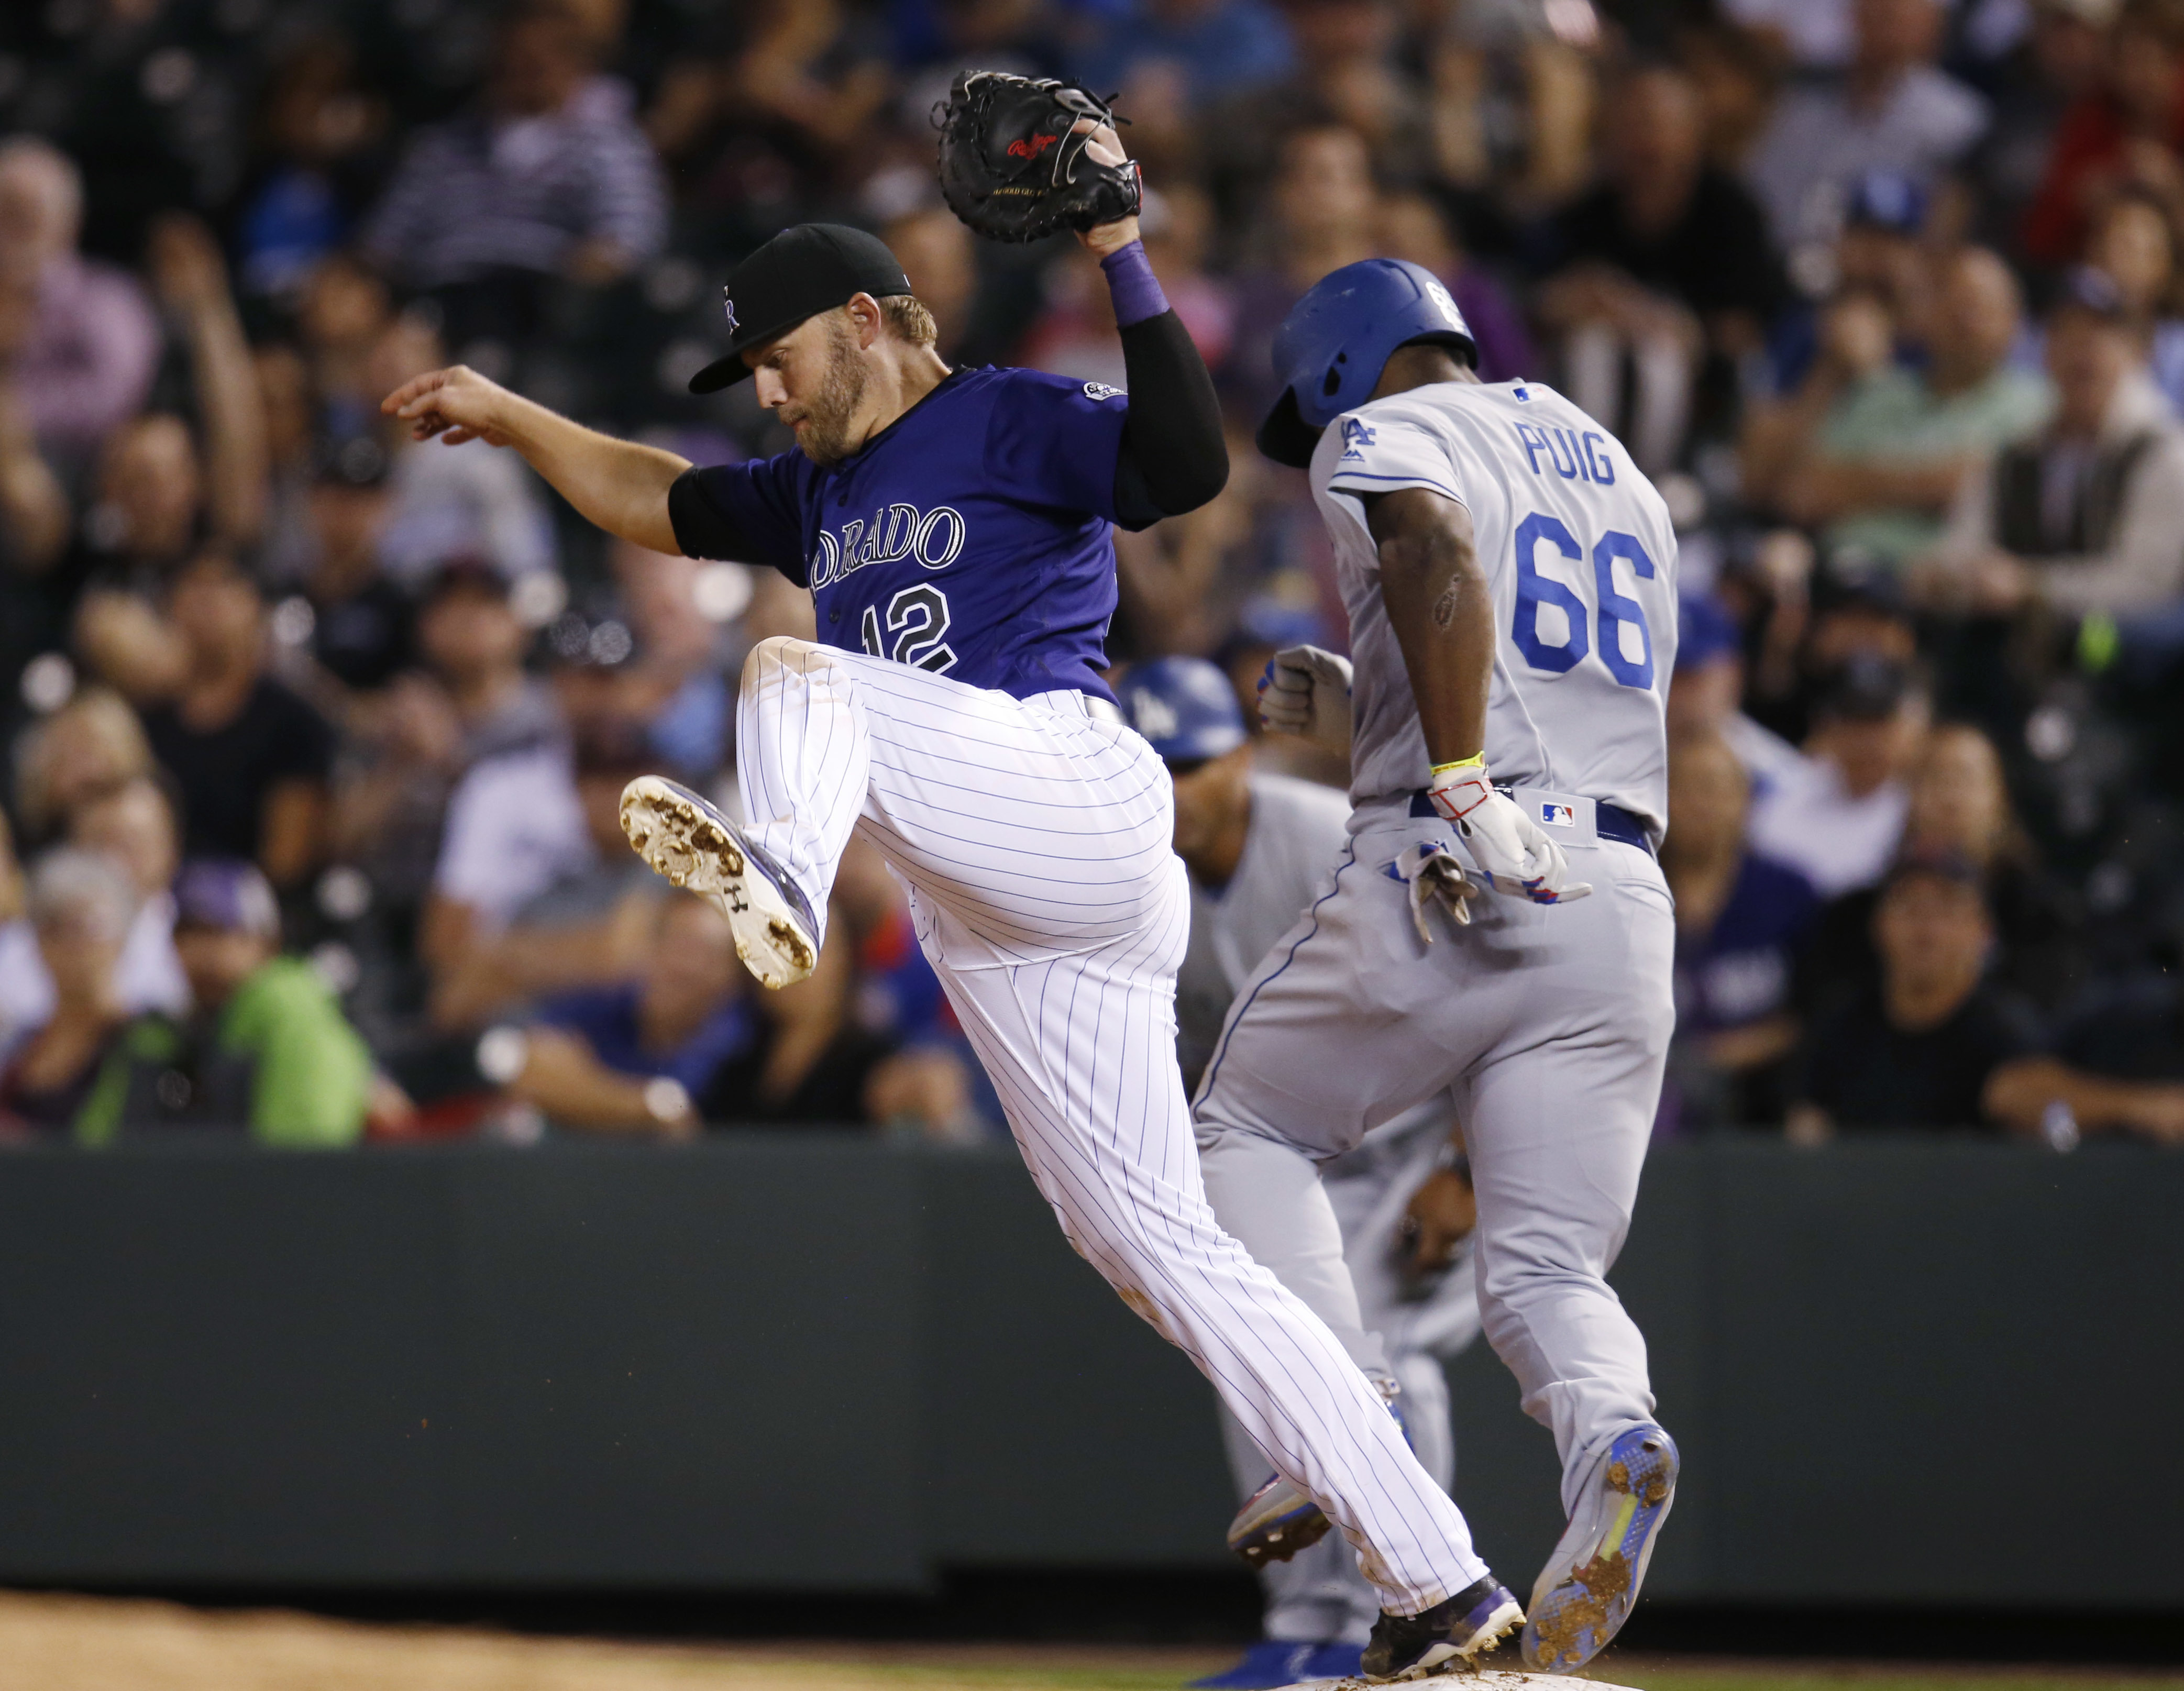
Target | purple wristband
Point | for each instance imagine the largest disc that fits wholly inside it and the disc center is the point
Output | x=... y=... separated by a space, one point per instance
x=1137 y=290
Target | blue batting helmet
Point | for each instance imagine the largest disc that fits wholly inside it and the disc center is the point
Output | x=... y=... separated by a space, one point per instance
x=1329 y=351
x=1184 y=706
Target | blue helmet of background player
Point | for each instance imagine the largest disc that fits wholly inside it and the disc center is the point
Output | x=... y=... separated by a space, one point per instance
x=1331 y=348
x=1184 y=707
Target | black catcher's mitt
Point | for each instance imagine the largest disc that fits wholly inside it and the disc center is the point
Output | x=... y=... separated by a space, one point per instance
x=1013 y=163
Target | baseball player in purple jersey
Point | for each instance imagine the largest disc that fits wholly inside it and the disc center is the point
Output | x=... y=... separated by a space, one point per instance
x=953 y=529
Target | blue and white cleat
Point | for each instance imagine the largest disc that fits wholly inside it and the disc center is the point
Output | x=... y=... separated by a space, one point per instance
x=1276 y=1522
x=1335 y=1662
x=1585 y=1591
x=1452 y=1633
x=683 y=836
x=1267 y=1665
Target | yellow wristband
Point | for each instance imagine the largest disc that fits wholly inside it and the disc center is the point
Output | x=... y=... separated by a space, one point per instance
x=1477 y=760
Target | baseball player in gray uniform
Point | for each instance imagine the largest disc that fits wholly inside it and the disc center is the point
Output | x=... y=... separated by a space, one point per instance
x=1510 y=580
x=1259 y=848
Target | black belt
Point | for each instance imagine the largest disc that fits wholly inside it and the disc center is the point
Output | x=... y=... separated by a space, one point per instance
x=1609 y=821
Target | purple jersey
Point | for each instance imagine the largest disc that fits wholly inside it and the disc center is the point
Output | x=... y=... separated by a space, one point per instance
x=969 y=537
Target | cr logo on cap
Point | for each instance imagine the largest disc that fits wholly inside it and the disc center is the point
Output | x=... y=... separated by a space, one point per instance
x=729 y=306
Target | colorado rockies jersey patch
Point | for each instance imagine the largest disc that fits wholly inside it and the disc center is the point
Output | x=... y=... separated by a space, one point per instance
x=970 y=538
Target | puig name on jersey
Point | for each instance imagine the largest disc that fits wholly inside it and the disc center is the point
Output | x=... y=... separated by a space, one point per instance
x=934 y=539
x=1574 y=456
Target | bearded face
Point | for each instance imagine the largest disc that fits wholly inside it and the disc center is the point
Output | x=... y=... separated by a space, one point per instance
x=826 y=415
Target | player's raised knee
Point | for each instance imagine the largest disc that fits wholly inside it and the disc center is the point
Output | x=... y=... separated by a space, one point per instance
x=786 y=649
x=783 y=657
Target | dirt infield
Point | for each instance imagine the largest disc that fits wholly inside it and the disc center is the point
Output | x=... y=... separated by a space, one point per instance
x=77 y=1644
x=80 y=1644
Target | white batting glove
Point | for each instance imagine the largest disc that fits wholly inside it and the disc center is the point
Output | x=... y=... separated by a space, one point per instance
x=1514 y=852
x=1434 y=877
x=1306 y=691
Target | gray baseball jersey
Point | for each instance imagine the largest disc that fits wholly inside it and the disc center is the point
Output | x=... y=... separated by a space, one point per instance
x=1549 y=1024
x=1581 y=558
x=1297 y=832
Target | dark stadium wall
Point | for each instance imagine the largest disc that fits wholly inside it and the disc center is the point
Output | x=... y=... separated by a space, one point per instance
x=1901 y=1373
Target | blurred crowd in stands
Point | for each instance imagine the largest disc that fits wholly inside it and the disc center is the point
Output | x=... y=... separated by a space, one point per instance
x=315 y=733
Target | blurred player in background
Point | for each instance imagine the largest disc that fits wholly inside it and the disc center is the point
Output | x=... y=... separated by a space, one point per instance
x=1510 y=581
x=1260 y=848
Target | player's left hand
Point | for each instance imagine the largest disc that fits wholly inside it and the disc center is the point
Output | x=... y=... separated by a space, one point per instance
x=1435 y=877
x=1306 y=691
x=1513 y=851
x=1021 y=158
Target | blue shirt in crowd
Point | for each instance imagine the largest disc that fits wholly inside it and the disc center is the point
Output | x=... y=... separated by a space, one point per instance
x=1742 y=971
x=606 y=1017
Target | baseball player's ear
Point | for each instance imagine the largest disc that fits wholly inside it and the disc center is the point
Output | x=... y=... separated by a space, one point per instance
x=865 y=317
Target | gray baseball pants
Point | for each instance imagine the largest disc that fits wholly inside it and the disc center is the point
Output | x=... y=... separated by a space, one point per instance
x=1548 y=1025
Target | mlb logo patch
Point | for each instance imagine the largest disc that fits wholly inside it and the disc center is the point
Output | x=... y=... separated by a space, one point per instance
x=1558 y=815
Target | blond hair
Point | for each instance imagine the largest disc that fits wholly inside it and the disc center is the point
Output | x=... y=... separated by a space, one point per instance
x=907 y=320
x=99 y=736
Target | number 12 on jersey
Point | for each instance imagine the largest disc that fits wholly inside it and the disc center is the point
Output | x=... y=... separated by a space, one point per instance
x=1616 y=609
x=917 y=619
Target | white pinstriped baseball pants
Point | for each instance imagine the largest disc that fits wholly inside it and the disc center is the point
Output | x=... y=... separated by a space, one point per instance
x=1318 y=1594
x=1035 y=841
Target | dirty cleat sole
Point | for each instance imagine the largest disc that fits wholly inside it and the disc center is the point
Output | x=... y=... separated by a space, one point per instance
x=1585 y=1591
x=1451 y=1634
x=1276 y=1522
x=682 y=836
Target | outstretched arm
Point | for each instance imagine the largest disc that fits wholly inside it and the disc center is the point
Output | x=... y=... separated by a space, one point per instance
x=192 y=281
x=618 y=485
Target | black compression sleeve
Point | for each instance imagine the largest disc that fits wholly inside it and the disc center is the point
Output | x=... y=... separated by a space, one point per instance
x=1173 y=459
x=702 y=528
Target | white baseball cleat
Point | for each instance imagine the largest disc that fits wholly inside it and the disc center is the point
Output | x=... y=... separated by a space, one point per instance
x=682 y=836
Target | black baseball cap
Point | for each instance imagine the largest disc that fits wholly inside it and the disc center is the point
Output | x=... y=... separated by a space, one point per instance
x=801 y=272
